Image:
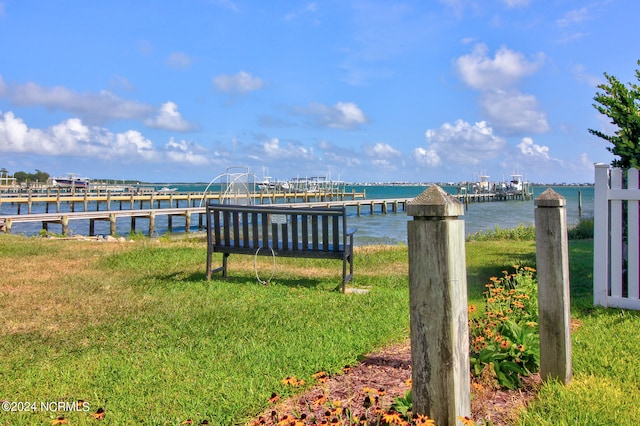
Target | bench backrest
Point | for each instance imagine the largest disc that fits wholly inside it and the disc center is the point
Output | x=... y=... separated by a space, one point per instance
x=281 y=228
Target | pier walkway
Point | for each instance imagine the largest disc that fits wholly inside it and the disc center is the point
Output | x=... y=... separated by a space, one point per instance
x=7 y=221
x=120 y=206
x=53 y=199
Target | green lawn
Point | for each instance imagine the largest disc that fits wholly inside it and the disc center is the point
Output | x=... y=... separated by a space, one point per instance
x=136 y=329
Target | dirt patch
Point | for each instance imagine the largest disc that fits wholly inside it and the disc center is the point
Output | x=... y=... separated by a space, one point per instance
x=370 y=388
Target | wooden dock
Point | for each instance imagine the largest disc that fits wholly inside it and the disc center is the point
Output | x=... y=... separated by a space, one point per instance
x=52 y=199
x=382 y=206
x=151 y=205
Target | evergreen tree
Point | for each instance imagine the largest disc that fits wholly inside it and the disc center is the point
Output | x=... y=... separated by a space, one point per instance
x=621 y=103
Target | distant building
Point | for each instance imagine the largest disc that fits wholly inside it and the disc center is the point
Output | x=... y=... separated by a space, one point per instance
x=7 y=182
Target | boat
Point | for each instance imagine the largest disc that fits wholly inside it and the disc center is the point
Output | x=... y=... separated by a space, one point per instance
x=167 y=189
x=70 y=181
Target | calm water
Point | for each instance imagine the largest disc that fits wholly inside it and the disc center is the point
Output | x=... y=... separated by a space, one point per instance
x=372 y=229
x=392 y=228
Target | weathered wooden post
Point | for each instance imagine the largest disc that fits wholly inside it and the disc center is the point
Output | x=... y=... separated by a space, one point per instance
x=112 y=224
x=552 y=264
x=438 y=307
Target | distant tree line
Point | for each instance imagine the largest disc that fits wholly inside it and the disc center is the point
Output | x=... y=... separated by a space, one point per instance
x=24 y=177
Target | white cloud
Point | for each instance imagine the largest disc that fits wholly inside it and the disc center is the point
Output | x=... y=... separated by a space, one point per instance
x=337 y=154
x=382 y=150
x=242 y=82
x=73 y=138
x=575 y=16
x=273 y=149
x=3 y=86
x=530 y=149
x=343 y=115
x=505 y=69
x=186 y=152
x=579 y=71
x=497 y=78
x=427 y=157
x=383 y=155
x=460 y=143
x=514 y=112
x=95 y=108
x=179 y=60
x=169 y=118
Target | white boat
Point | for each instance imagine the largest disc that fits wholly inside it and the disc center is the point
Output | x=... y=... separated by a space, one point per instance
x=70 y=181
x=167 y=189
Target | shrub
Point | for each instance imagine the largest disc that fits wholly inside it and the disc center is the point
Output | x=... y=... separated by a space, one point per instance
x=582 y=231
x=520 y=233
x=505 y=338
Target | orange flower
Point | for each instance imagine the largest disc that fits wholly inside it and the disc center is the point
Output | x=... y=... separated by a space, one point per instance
x=274 y=398
x=392 y=417
x=466 y=421
x=506 y=344
x=423 y=420
x=320 y=400
x=292 y=381
x=59 y=421
x=99 y=414
x=409 y=382
x=320 y=376
x=285 y=420
x=471 y=309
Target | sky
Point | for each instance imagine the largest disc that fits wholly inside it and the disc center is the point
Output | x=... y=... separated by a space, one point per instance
x=358 y=91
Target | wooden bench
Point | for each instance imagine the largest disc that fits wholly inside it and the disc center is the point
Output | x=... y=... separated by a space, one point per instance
x=293 y=232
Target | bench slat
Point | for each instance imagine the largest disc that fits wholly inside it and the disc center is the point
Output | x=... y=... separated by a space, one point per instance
x=245 y=229
x=314 y=232
x=336 y=234
x=256 y=234
x=294 y=232
x=265 y=229
x=225 y=230
x=236 y=227
x=305 y=230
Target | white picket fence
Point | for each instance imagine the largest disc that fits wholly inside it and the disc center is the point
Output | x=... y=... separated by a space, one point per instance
x=611 y=286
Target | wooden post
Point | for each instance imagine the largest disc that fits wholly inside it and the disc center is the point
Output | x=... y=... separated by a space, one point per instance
x=112 y=225
x=187 y=222
x=438 y=307
x=152 y=223
x=552 y=260
x=65 y=225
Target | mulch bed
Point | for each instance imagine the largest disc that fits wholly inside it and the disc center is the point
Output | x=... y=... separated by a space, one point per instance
x=388 y=372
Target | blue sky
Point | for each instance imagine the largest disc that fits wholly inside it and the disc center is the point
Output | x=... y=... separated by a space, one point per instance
x=361 y=91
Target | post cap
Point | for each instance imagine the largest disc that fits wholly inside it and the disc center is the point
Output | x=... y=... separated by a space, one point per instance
x=434 y=202
x=550 y=198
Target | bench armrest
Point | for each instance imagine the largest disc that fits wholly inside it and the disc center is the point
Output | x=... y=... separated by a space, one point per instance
x=351 y=231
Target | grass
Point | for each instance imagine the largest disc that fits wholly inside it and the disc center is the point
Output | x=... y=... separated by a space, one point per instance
x=135 y=328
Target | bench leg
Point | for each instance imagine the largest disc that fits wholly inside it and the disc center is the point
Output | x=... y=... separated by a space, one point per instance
x=348 y=258
x=224 y=264
x=222 y=268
